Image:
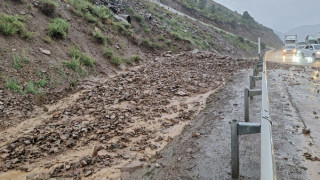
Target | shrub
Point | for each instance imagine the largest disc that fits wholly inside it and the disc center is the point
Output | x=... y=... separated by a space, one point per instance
x=58 y=28
x=116 y=61
x=168 y=42
x=48 y=7
x=13 y=84
x=99 y=37
x=161 y=37
x=138 y=17
x=107 y=52
x=42 y=82
x=74 y=64
x=176 y=36
x=88 y=16
x=16 y=61
x=136 y=58
x=10 y=25
x=30 y=88
x=123 y=28
x=28 y=35
x=84 y=58
x=128 y=61
x=47 y=39
x=241 y=39
x=145 y=42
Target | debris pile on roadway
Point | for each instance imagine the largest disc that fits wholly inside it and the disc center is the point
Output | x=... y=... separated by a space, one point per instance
x=128 y=113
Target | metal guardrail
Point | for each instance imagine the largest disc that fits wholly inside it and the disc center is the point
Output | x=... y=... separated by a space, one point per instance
x=268 y=170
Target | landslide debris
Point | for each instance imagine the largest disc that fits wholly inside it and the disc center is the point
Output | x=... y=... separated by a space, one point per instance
x=128 y=113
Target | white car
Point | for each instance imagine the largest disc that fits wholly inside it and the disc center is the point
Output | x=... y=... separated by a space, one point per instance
x=312 y=50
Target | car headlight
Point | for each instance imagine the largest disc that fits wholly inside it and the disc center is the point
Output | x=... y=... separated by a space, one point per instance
x=294 y=50
x=318 y=52
x=284 y=50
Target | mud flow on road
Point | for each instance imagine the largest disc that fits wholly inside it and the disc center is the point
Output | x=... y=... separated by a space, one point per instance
x=202 y=151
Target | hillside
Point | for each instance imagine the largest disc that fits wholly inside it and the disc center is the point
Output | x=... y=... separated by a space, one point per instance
x=216 y=14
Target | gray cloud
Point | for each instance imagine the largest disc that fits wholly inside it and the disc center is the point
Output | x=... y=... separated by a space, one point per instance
x=281 y=15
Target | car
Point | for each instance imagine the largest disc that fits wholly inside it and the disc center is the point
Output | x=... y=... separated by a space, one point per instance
x=312 y=50
x=289 y=49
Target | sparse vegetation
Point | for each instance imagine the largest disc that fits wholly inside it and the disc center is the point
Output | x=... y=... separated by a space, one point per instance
x=83 y=58
x=58 y=28
x=10 y=25
x=128 y=61
x=13 y=84
x=136 y=58
x=145 y=42
x=47 y=39
x=116 y=61
x=42 y=82
x=28 y=35
x=107 y=52
x=48 y=7
x=75 y=65
x=99 y=37
x=123 y=28
x=31 y=88
x=16 y=60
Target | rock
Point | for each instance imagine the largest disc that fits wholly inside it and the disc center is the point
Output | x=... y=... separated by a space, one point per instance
x=22 y=13
x=95 y=150
x=87 y=173
x=102 y=152
x=15 y=160
x=4 y=156
x=133 y=166
x=314 y=112
x=45 y=51
x=306 y=131
x=181 y=93
x=196 y=134
x=157 y=165
x=32 y=176
x=167 y=55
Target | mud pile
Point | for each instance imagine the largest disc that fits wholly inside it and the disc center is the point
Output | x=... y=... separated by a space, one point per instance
x=128 y=114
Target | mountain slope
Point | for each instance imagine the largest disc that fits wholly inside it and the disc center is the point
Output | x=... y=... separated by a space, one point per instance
x=304 y=31
x=222 y=17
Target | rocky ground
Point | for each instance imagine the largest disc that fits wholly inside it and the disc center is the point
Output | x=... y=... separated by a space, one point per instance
x=128 y=118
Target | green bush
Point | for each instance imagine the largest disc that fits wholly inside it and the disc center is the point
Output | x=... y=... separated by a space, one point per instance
x=14 y=85
x=31 y=88
x=90 y=18
x=116 y=61
x=47 y=39
x=107 y=52
x=42 y=82
x=16 y=61
x=10 y=25
x=83 y=58
x=145 y=42
x=74 y=64
x=123 y=28
x=99 y=37
x=136 y=58
x=128 y=61
x=28 y=35
x=48 y=7
x=138 y=17
x=176 y=36
x=58 y=28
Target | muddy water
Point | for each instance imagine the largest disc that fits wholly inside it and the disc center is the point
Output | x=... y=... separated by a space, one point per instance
x=302 y=84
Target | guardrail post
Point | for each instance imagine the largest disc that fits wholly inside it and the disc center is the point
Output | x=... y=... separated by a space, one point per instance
x=234 y=149
x=246 y=105
x=237 y=129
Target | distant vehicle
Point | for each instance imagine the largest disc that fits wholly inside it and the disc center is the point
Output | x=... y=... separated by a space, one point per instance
x=291 y=39
x=312 y=50
x=301 y=45
x=289 y=49
x=310 y=39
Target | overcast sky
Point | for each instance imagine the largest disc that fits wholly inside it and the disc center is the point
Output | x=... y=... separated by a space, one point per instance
x=280 y=15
